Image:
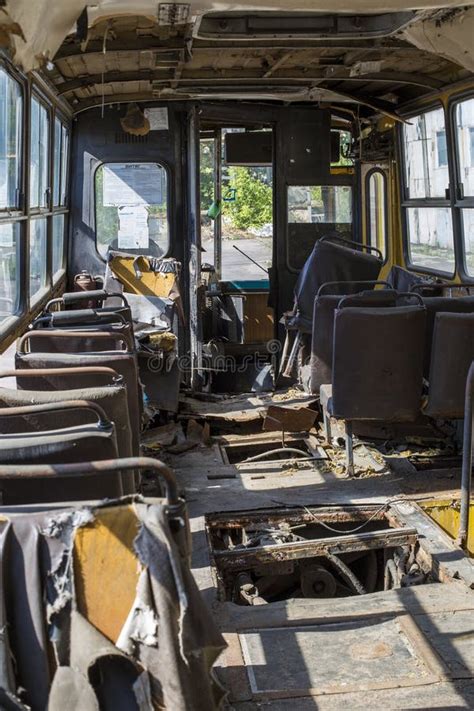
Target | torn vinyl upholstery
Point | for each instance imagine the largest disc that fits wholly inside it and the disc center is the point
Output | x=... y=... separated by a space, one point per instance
x=99 y=610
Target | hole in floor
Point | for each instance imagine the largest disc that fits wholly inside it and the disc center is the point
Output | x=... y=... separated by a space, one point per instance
x=266 y=556
x=241 y=453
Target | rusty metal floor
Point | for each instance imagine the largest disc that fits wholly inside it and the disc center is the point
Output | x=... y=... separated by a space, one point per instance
x=401 y=649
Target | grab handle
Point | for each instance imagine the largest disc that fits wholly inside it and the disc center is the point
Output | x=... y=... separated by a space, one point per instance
x=101 y=335
x=356 y=245
x=102 y=420
x=47 y=372
x=74 y=297
x=105 y=466
x=343 y=283
x=368 y=295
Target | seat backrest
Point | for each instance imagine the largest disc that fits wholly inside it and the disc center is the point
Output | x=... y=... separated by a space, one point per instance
x=109 y=334
x=111 y=398
x=123 y=363
x=377 y=363
x=95 y=440
x=322 y=338
x=403 y=280
x=441 y=304
x=452 y=353
x=331 y=261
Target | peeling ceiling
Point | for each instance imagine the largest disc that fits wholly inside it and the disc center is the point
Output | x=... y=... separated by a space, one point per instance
x=216 y=50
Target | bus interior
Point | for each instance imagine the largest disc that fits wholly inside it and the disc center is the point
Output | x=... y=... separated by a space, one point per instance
x=236 y=355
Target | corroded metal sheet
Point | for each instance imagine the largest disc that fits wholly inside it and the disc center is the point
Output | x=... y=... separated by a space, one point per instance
x=373 y=653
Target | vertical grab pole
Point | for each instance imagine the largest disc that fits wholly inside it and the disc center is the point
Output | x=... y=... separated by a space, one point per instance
x=466 y=460
x=218 y=200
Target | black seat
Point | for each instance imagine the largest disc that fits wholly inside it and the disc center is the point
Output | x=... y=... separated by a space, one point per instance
x=404 y=280
x=442 y=304
x=334 y=260
x=325 y=305
x=111 y=396
x=61 y=445
x=377 y=363
x=452 y=353
x=124 y=362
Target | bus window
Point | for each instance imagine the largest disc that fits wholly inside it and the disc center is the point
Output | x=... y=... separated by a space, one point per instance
x=314 y=211
x=247 y=221
x=11 y=110
x=39 y=155
x=11 y=104
x=207 y=196
x=429 y=225
x=131 y=202
x=465 y=153
x=426 y=167
x=377 y=211
x=38 y=274
x=58 y=243
x=60 y=165
x=9 y=262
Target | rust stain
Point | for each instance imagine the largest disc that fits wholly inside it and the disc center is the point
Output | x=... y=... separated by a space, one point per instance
x=363 y=652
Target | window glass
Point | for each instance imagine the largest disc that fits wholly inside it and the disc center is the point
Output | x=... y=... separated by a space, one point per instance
x=430 y=234
x=328 y=204
x=58 y=242
x=468 y=234
x=38 y=239
x=376 y=223
x=61 y=147
x=57 y=162
x=426 y=162
x=345 y=145
x=315 y=211
x=247 y=222
x=465 y=144
x=64 y=164
x=39 y=155
x=9 y=261
x=209 y=211
x=10 y=140
x=441 y=149
x=132 y=208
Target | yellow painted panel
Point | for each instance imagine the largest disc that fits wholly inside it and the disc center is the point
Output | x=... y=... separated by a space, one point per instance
x=106 y=569
x=150 y=283
x=446 y=514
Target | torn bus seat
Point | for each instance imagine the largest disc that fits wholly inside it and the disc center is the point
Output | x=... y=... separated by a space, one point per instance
x=325 y=305
x=452 y=353
x=95 y=440
x=144 y=275
x=402 y=279
x=333 y=259
x=111 y=398
x=75 y=635
x=377 y=364
x=123 y=362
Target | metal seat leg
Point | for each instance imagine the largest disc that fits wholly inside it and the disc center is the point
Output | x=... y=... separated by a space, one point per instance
x=349 y=450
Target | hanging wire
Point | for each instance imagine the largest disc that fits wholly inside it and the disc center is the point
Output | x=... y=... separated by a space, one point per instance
x=357 y=528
